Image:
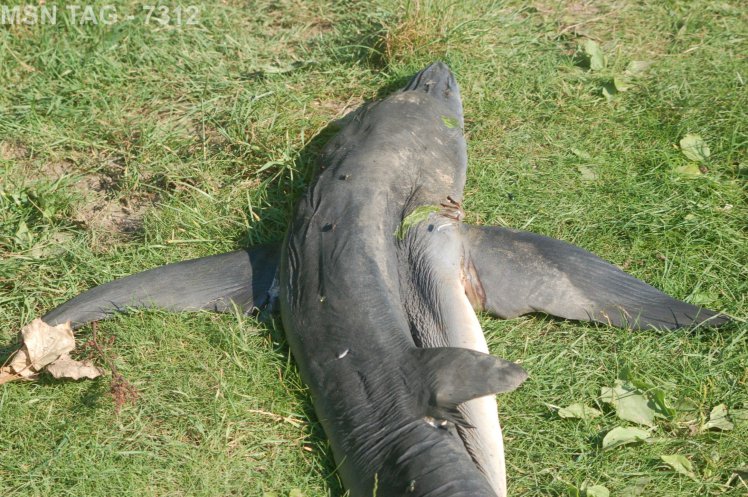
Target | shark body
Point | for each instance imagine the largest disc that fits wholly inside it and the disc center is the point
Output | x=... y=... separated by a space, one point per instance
x=378 y=280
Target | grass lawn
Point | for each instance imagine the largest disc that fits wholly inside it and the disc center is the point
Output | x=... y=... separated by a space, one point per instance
x=130 y=145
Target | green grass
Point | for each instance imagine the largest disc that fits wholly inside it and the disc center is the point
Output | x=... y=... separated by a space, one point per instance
x=128 y=146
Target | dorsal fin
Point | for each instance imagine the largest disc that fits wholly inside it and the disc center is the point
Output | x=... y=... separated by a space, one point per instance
x=455 y=375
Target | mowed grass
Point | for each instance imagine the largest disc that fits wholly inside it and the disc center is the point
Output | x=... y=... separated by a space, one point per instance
x=128 y=146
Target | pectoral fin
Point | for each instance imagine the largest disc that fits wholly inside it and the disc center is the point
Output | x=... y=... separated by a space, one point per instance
x=510 y=272
x=454 y=375
x=218 y=283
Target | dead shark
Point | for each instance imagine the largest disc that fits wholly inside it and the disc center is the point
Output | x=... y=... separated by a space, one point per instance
x=378 y=280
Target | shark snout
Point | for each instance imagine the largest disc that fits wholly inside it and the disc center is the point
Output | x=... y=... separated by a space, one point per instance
x=438 y=81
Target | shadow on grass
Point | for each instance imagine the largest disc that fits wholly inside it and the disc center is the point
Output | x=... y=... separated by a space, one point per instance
x=91 y=398
x=8 y=350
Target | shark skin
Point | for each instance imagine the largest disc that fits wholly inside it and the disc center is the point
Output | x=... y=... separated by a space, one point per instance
x=394 y=156
x=378 y=281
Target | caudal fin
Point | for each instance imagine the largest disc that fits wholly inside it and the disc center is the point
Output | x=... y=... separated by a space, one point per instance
x=243 y=278
x=512 y=272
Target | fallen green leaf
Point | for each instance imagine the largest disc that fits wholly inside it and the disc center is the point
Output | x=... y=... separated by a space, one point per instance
x=741 y=473
x=661 y=407
x=718 y=419
x=688 y=410
x=585 y=491
x=609 y=91
x=695 y=148
x=637 y=67
x=588 y=174
x=689 y=170
x=52 y=247
x=680 y=464
x=638 y=488
x=595 y=491
x=739 y=416
x=23 y=235
x=704 y=298
x=282 y=69
x=595 y=53
x=581 y=154
x=656 y=397
x=621 y=83
x=622 y=436
x=572 y=491
x=629 y=402
x=579 y=411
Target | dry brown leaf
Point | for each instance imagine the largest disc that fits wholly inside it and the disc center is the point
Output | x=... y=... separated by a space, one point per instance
x=7 y=376
x=45 y=347
x=66 y=367
x=20 y=364
x=42 y=345
x=46 y=343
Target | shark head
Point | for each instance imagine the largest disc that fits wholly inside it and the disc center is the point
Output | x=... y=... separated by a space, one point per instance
x=438 y=81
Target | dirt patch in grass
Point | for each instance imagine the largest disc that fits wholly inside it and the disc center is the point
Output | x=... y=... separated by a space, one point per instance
x=103 y=208
x=107 y=211
x=317 y=27
x=608 y=22
x=580 y=19
x=12 y=151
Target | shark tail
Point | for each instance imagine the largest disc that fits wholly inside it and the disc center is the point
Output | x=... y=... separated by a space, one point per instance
x=244 y=279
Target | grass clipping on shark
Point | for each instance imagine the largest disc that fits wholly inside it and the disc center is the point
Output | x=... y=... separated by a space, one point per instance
x=47 y=348
x=419 y=214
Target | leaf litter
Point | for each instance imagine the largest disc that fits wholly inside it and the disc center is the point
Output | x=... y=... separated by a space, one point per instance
x=611 y=80
x=680 y=464
x=595 y=55
x=47 y=348
x=629 y=402
x=695 y=148
x=638 y=487
x=579 y=411
x=718 y=419
x=623 y=436
x=587 y=490
x=636 y=401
